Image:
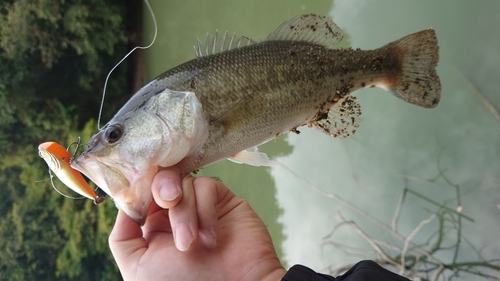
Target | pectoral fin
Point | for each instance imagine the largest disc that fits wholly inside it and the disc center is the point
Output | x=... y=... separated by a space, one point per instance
x=253 y=157
x=342 y=120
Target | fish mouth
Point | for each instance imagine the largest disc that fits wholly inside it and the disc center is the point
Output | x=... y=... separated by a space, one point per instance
x=88 y=166
x=130 y=189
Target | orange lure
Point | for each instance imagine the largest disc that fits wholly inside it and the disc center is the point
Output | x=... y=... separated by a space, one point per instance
x=57 y=157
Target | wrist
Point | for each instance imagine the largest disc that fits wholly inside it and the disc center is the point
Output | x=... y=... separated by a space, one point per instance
x=275 y=275
x=270 y=270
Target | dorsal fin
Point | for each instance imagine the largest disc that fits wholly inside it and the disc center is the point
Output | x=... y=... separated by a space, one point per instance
x=220 y=43
x=311 y=28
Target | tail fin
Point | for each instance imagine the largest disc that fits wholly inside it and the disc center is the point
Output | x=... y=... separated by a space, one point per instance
x=418 y=82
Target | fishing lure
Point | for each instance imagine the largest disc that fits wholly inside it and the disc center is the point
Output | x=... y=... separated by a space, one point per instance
x=58 y=159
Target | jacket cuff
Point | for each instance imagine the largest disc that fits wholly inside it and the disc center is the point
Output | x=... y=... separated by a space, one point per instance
x=299 y=272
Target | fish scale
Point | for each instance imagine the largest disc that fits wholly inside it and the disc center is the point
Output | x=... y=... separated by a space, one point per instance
x=274 y=97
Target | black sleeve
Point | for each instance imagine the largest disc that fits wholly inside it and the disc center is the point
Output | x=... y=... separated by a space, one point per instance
x=362 y=271
x=299 y=272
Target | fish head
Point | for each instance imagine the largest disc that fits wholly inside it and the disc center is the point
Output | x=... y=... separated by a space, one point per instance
x=123 y=157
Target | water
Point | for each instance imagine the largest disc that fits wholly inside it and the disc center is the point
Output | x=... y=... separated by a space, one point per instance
x=397 y=146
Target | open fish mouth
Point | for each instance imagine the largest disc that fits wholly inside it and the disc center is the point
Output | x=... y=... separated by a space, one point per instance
x=129 y=188
x=90 y=167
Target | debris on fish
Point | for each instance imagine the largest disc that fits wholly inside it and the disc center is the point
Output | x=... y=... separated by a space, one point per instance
x=238 y=93
x=58 y=160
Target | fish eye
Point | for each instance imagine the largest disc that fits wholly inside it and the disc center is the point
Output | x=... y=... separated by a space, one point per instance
x=113 y=134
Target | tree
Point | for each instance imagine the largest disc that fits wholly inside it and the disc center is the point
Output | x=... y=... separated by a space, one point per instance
x=54 y=57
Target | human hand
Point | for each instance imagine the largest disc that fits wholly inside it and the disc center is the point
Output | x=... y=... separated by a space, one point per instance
x=203 y=233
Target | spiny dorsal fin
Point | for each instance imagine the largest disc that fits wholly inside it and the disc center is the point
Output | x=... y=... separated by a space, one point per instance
x=220 y=43
x=342 y=120
x=311 y=28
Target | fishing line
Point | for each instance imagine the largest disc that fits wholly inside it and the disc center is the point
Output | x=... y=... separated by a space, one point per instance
x=40 y=181
x=126 y=56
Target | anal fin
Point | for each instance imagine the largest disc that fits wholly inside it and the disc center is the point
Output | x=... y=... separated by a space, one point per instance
x=342 y=120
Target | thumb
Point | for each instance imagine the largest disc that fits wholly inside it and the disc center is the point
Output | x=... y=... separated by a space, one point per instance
x=126 y=241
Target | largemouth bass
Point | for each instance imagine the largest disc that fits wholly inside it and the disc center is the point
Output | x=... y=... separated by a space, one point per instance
x=237 y=94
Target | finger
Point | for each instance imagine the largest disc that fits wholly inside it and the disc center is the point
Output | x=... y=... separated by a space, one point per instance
x=167 y=188
x=153 y=208
x=205 y=190
x=125 y=241
x=157 y=222
x=183 y=217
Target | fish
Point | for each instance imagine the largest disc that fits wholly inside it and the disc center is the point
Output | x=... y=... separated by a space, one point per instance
x=58 y=160
x=237 y=94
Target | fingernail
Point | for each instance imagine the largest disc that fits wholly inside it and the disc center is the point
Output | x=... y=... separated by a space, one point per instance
x=168 y=192
x=183 y=237
x=208 y=238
